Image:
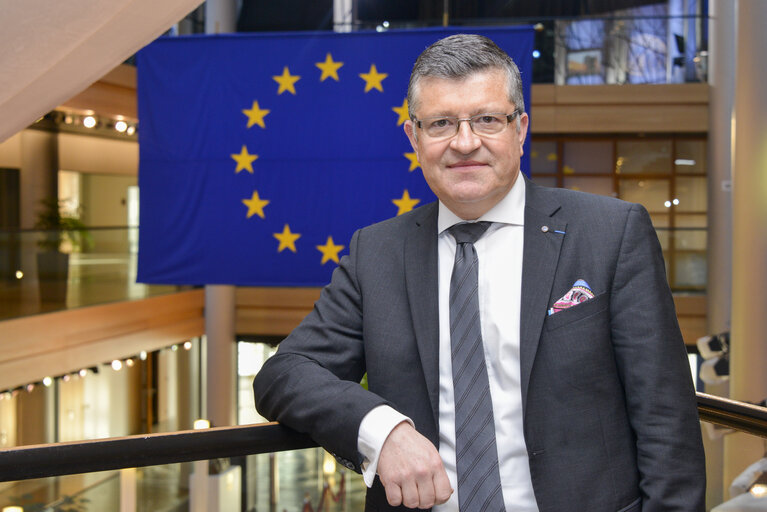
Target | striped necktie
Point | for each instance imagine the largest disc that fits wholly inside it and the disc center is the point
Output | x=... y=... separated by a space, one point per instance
x=479 y=481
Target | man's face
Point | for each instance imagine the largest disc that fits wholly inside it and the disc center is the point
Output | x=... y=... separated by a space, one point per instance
x=469 y=173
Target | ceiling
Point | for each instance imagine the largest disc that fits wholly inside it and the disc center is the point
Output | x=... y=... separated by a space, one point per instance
x=50 y=51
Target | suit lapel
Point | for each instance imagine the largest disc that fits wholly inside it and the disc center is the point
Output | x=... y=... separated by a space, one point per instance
x=422 y=289
x=539 y=263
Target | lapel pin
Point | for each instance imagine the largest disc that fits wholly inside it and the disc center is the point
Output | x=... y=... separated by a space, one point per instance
x=546 y=229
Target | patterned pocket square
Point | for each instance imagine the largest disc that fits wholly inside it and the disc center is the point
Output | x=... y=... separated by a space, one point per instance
x=580 y=292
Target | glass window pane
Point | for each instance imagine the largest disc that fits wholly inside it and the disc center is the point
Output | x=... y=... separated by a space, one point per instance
x=546 y=181
x=660 y=222
x=692 y=194
x=652 y=194
x=690 y=232
x=690 y=156
x=643 y=157
x=690 y=270
x=587 y=157
x=601 y=186
x=543 y=157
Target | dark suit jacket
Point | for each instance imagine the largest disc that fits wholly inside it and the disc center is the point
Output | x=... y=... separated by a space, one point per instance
x=610 y=418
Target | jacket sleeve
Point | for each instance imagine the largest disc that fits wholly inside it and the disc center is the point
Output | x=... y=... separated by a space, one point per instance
x=652 y=362
x=312 y=383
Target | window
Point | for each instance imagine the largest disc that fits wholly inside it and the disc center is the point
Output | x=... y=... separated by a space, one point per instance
x=666 y=174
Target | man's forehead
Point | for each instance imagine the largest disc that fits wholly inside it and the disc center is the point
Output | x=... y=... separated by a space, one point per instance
x=479 y=75
x=438 y=92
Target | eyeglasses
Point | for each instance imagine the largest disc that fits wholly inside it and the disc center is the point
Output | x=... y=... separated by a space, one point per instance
x=481 y=124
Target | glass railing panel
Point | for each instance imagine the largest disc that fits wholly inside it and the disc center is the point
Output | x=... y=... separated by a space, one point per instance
x=310 y=480
x=82 y=492
x=100 y=268
x=303 y=480
x=163 y=488
x=298 y=479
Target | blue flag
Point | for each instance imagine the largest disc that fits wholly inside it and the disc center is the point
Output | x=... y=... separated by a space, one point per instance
x=261 y=154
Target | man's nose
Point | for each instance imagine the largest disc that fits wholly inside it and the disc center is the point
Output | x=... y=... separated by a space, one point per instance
x=465 y=140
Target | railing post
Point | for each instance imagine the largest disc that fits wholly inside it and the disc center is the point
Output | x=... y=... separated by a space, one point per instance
x=128 y=490
x=198 y=487
x=274 y=481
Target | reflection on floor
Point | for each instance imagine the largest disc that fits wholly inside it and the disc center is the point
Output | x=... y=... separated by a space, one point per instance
x=93 y=279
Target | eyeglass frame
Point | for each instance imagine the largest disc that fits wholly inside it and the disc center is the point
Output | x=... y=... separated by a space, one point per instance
x=509 y=118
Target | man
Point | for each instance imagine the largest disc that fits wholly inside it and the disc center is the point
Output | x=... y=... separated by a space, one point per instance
x=555 y=304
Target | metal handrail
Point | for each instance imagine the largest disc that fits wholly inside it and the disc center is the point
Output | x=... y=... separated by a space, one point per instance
x=734 y=414
x=71 y=458
x=57 y=459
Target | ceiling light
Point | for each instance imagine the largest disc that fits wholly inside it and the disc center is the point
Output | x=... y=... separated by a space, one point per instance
x=121 y=126
x=89 y=121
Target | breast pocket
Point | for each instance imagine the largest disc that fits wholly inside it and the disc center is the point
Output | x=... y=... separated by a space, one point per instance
x=578 y=312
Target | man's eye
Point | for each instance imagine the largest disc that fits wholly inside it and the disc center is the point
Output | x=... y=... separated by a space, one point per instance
x=487 y=120
x=440 y=123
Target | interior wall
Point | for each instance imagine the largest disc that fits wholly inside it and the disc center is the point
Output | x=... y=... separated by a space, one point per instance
x=10 y=152
x=104 y=199
x=87 y=154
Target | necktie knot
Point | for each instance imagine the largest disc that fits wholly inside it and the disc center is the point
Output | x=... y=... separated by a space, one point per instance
x=468 y=232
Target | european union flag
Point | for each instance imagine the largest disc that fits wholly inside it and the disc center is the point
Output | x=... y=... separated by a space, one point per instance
x=261 y=154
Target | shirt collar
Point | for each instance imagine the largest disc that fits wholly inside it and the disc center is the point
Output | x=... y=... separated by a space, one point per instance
x=509 y=210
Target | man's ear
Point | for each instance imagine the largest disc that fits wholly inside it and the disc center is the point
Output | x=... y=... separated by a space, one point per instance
x=410 y=132
x=524 y=121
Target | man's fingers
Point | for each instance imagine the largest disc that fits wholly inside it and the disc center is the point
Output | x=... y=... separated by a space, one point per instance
x=411 y=470
x=410 y=495
x=393 y=495
x=442 y=488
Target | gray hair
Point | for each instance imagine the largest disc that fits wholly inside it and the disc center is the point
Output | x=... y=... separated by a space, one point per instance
x=460 y=56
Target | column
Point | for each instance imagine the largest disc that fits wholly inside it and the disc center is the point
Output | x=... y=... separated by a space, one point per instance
x=221 y=355
x=220 y=16
x=748 y=378
x=342 y=15
x=721 y=78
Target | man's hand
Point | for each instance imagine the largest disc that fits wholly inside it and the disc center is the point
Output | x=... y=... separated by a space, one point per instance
x=411 y=470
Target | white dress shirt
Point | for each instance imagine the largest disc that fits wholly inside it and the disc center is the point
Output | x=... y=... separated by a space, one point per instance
x=499 y=252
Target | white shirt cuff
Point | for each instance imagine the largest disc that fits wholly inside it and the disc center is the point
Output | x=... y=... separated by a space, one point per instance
x=374 y=429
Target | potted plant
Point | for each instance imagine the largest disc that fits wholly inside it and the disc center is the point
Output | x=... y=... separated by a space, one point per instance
x=61 y=233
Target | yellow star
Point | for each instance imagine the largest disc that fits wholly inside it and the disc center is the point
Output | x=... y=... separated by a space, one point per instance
x=402 y=111
x=373 y=79
x=287 y=239
x=256 y=115
x=244 y=160
x=329 y=68
x=329 y=251
x=255 y=205
x=286 y=81
x=405 y=204
x=413 y=161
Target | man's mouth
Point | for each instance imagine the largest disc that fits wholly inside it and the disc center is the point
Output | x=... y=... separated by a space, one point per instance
x=464 y=164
